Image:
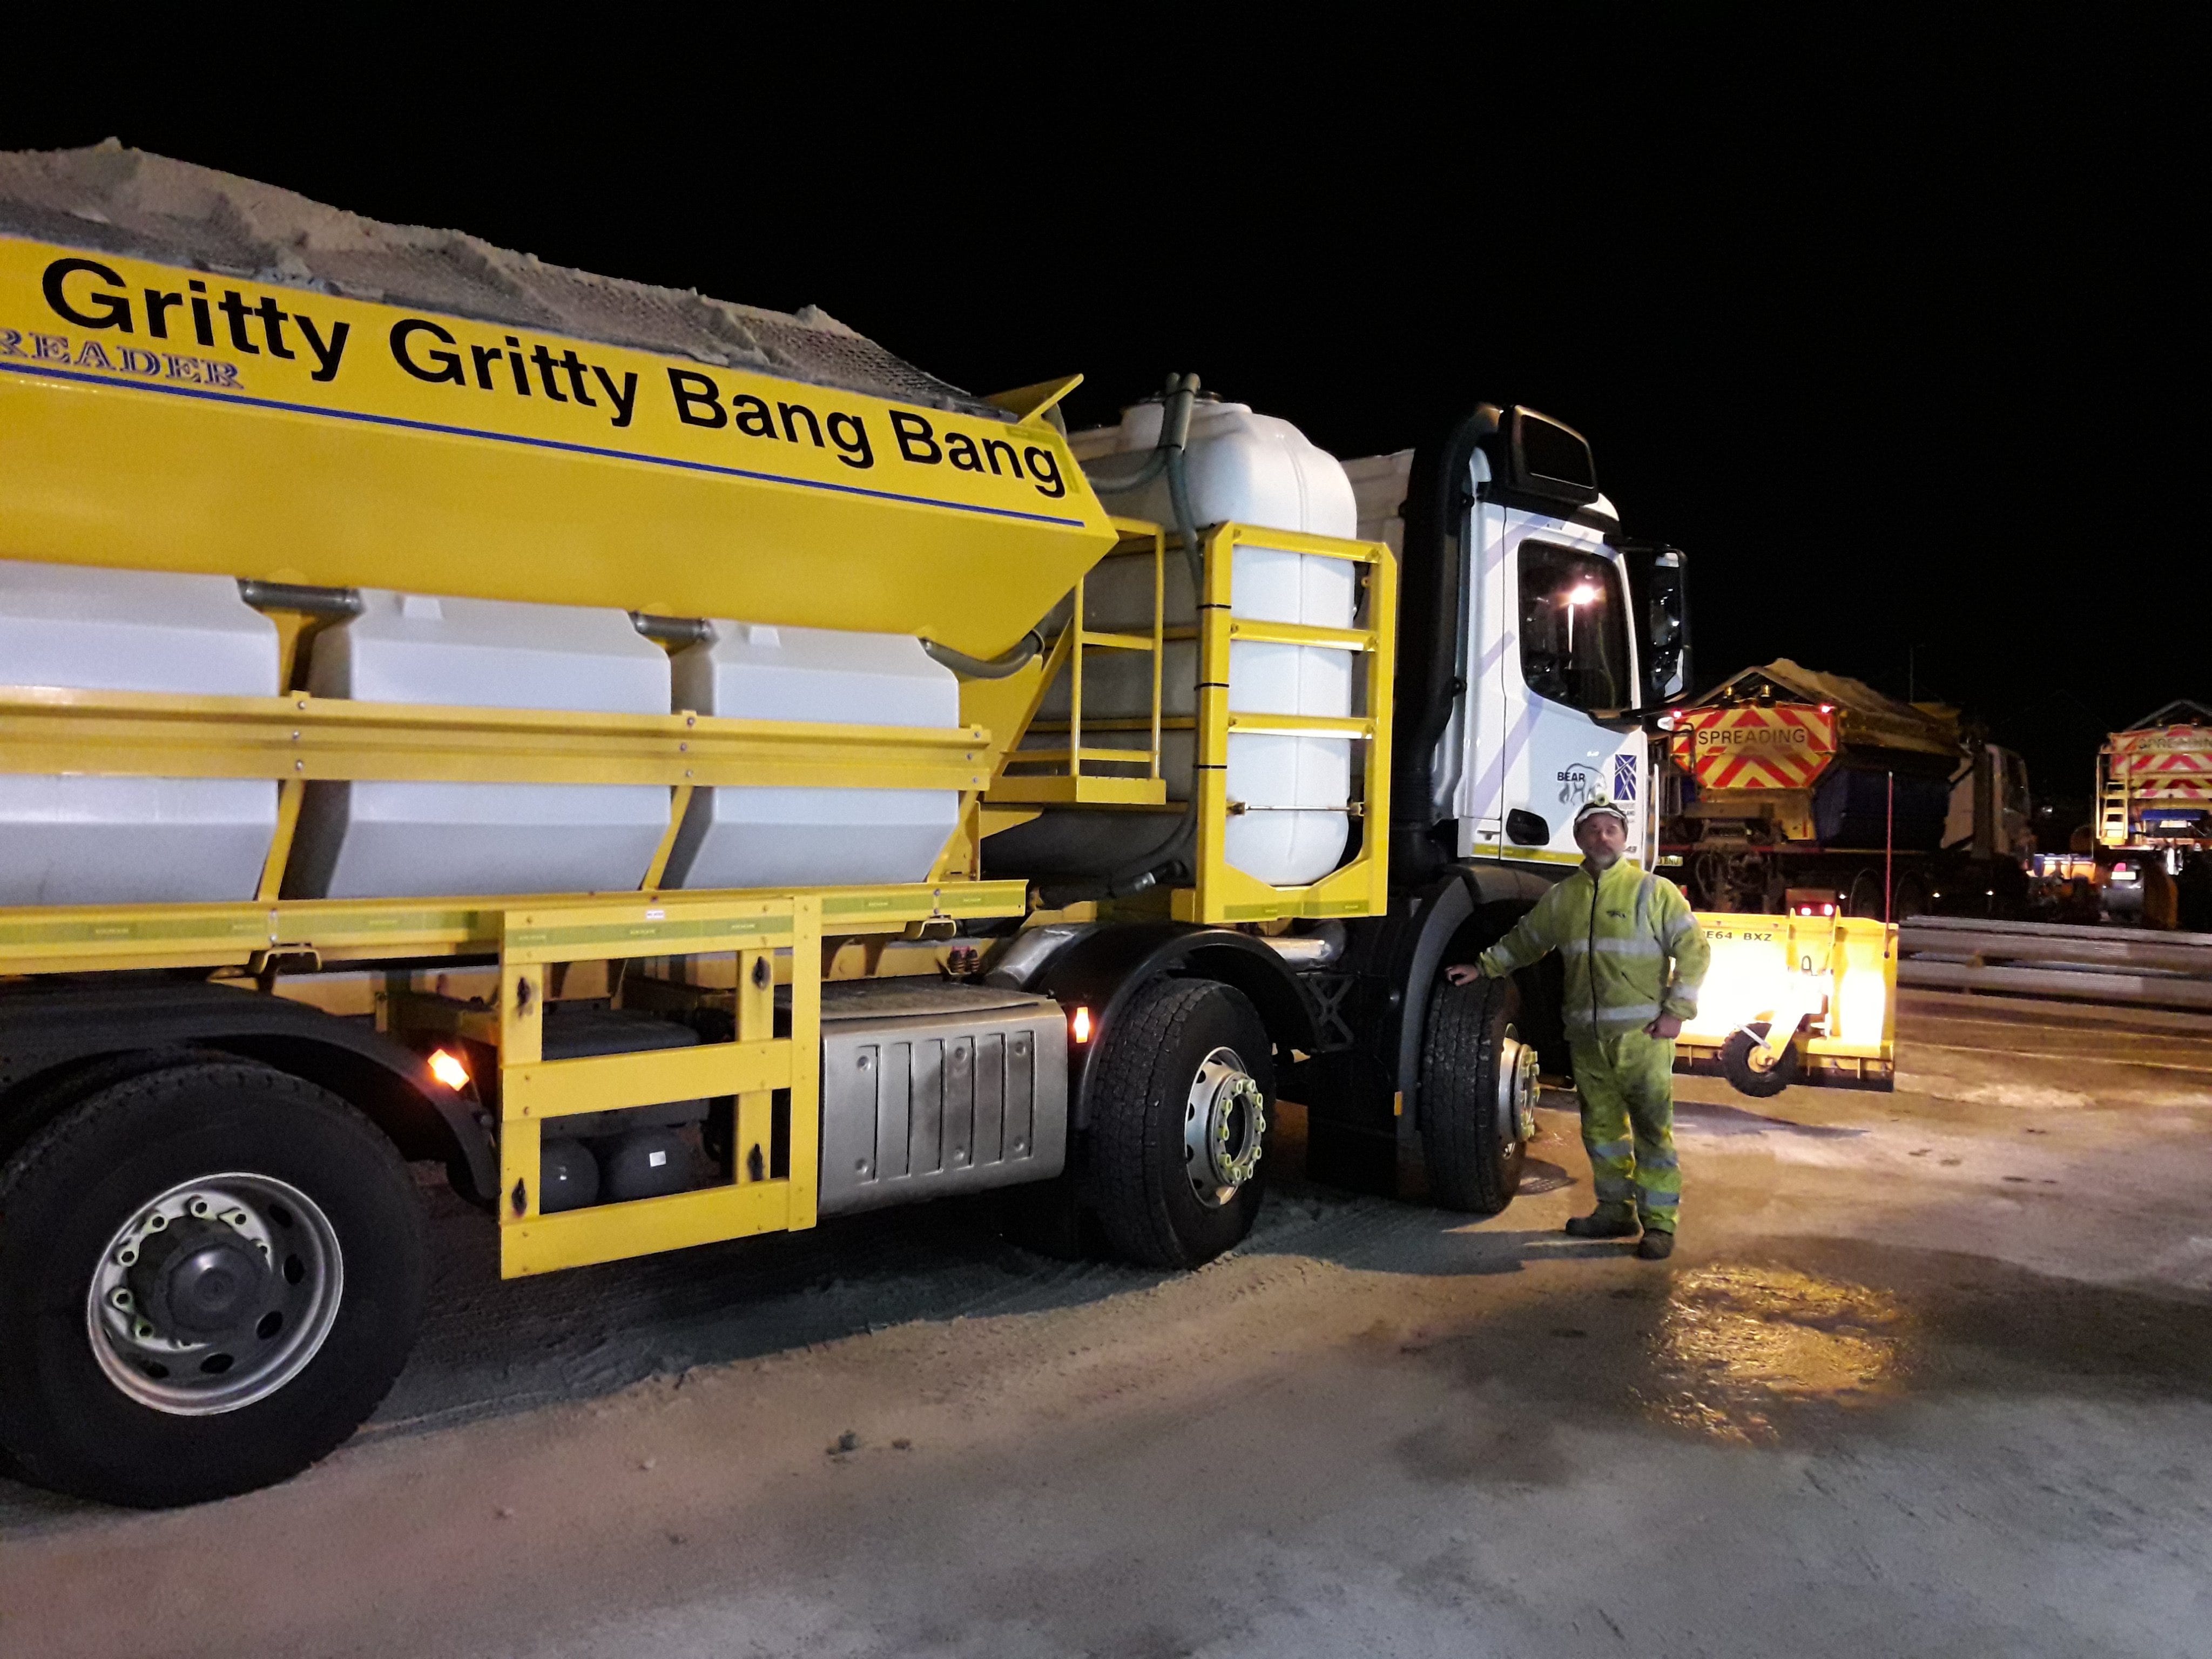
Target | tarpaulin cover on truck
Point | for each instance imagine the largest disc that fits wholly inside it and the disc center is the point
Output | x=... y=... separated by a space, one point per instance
x=1868 y=720
x=200 y=373
x=111 y=199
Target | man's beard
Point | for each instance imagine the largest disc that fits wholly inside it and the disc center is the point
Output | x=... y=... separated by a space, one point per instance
x=1602 y=860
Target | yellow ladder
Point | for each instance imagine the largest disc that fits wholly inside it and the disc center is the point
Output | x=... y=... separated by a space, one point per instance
x=2113 y=802
x=1063 y=782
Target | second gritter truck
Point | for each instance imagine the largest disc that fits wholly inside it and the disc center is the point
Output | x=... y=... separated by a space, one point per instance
x=689 y=773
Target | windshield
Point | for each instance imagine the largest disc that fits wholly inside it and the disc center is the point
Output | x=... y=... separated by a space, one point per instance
x=1574 y=628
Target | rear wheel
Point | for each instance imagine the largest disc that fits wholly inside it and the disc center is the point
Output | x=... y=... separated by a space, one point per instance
x=1182 y=1102
x=1478 y=1095
x=210 y=1275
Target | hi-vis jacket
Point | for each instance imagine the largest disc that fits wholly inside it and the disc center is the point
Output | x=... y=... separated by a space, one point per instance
x=1632 y=949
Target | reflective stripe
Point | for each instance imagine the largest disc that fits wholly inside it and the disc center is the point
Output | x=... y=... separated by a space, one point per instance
x=1615 y=1020
x=1645 y=946
x=1658 y=1161
x=1611 y=1151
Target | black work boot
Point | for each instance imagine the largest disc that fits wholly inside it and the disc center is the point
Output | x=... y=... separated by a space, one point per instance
x=1601 y=1223
x=1656 y=1246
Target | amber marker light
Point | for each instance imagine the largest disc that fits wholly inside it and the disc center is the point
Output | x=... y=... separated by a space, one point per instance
x=1079 y=1027
x=446 y=1068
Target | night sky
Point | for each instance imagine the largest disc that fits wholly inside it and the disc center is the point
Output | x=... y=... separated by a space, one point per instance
x=1885 y=324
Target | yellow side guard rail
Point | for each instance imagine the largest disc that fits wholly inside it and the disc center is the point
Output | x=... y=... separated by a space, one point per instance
x=300 y=739
x=1825 y=985
x=1074 y=776
x=1360 y=887
x=752 y=1068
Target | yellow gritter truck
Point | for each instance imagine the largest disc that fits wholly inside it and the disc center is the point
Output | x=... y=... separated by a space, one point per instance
x=688 y=773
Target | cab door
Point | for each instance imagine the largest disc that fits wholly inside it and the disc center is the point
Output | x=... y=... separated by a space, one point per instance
x=1566 y=654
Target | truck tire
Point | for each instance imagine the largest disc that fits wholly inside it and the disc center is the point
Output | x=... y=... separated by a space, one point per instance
x=210 y=1274
x=1477 y=1079
x=1748 y=1078
x=1180 y=1104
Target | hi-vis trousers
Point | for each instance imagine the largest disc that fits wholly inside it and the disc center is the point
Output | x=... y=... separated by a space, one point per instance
x=1627 y=1088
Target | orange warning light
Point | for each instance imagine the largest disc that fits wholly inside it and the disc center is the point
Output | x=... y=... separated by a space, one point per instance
x=446 y=1068
x=1079 y=1027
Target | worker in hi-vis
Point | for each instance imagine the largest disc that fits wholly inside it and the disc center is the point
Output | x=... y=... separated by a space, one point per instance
x=1635 y=958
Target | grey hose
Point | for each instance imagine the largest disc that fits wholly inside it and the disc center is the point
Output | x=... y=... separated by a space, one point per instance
x=1175 y=432
x=1154 y=463
x=1179 y=485
x=1005 y=665
x=333 y=602
x=678 y=631
x=1176 y=851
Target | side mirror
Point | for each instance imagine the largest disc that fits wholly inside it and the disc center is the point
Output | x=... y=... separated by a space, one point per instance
x=1667 y=628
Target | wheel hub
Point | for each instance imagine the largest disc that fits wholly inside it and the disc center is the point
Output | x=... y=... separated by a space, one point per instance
x=195 y=1280
x=1225 y=1128
x=1517 y=1088
x=214 y=1295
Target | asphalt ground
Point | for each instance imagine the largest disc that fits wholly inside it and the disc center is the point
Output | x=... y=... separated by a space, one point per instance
x=1930 y=1374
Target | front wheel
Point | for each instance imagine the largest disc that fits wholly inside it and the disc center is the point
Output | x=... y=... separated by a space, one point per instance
x=1741 y=1065
x=210 y=1275
x=1182 y=1097
x=1478 y=1095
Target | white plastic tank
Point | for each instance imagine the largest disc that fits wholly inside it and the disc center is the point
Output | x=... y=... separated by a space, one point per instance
x=132 y=841
x=379 y=840
x=778 y=837
x=1257 y=470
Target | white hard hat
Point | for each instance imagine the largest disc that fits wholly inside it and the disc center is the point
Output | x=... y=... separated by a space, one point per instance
x=1590 y=808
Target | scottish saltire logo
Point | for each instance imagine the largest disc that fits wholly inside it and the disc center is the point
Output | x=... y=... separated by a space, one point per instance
x=1624 y=777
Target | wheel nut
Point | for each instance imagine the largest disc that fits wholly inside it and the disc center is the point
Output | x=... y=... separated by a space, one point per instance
x=121 y=1298
x=198 y=1207
x=144 y=1330
x=125 y=1257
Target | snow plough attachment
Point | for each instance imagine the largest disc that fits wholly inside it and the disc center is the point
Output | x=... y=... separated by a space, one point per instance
x=1805 y=998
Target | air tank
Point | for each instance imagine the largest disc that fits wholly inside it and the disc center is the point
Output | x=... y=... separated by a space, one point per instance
x=1294 y=791
x=402 y=839
x=75 y=839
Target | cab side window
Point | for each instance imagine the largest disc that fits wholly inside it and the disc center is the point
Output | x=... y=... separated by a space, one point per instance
x=1574 y=628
